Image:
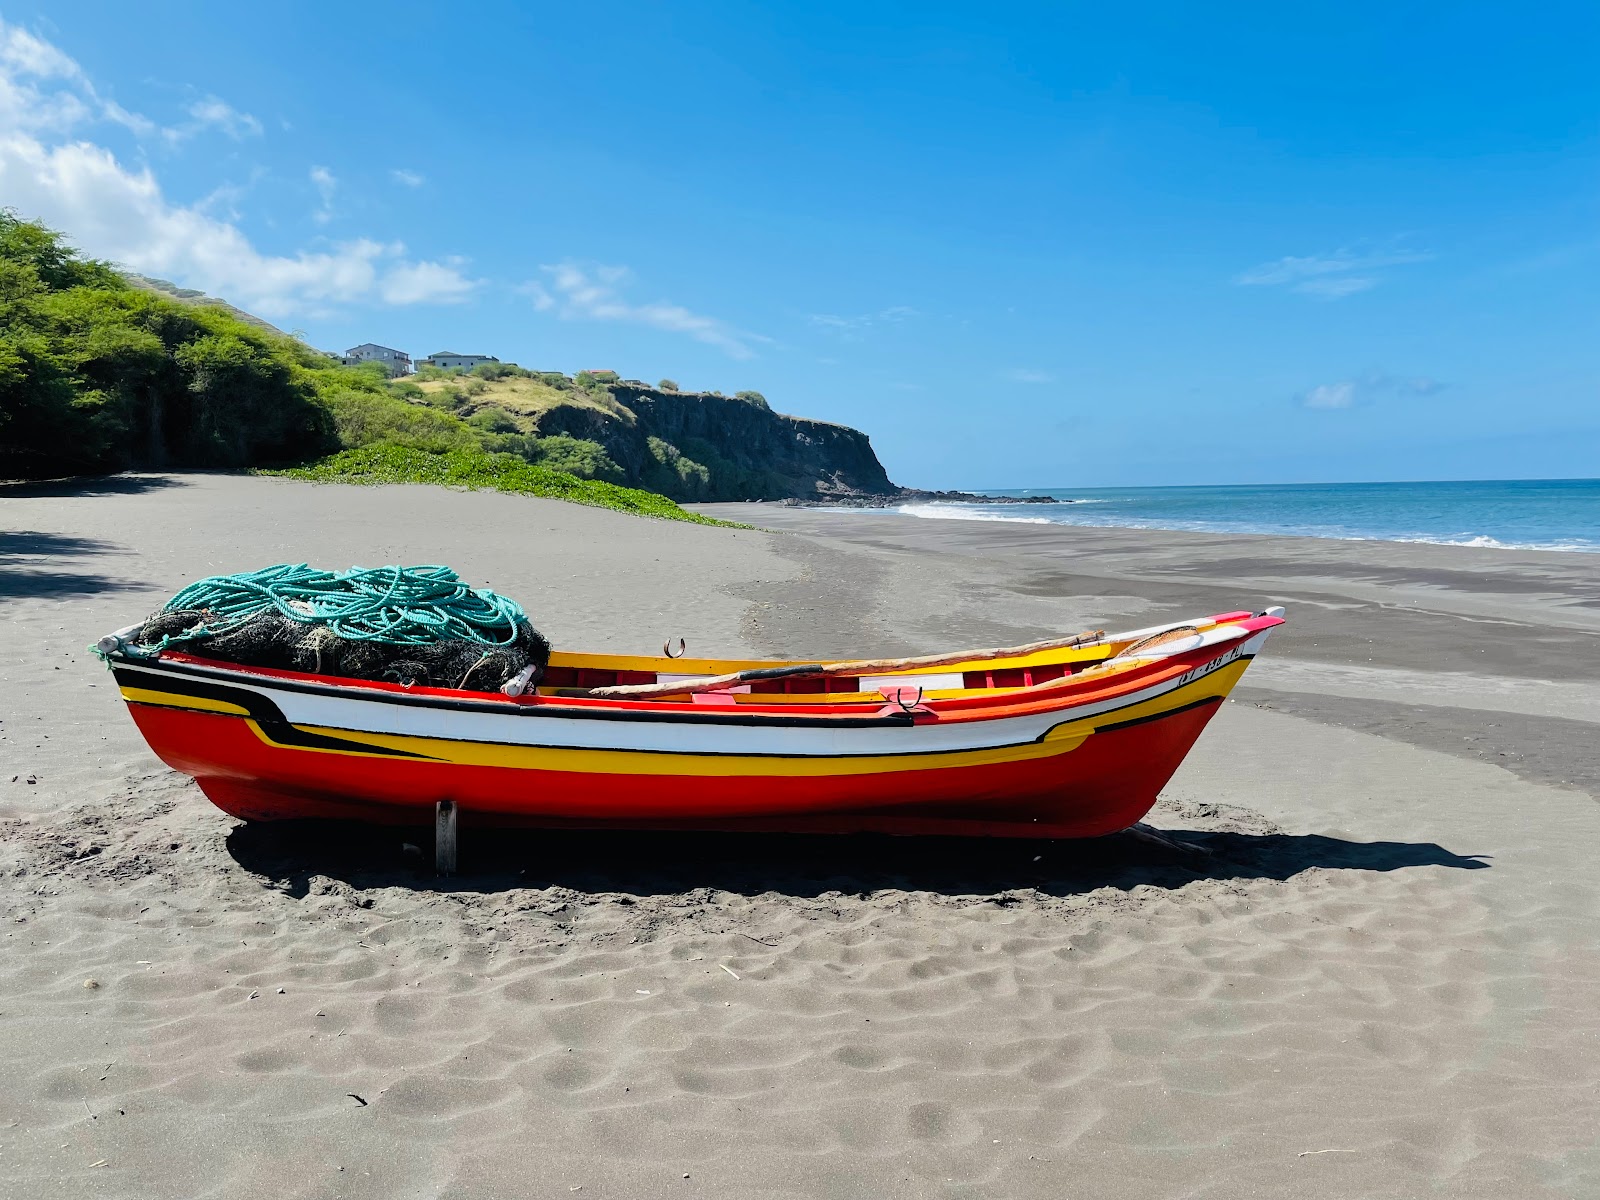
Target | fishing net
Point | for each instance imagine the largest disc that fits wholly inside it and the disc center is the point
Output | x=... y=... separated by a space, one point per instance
x=408 y=625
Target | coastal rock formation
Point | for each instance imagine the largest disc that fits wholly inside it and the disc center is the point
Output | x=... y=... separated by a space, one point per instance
x=700 y=446
x=703 y=446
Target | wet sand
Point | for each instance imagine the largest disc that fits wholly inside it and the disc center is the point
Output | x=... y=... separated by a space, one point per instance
x=1381 y=984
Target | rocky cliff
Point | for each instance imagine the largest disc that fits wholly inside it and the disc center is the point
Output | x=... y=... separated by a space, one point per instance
x=702 y=446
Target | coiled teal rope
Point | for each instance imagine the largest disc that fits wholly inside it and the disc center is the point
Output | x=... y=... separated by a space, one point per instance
x=401 y=606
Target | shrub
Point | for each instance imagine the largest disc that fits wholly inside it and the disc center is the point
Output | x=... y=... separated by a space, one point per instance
x=492 y=371
x=668 y=385
x=578 y=456
x=672 y=474
x=755 y=398
x=493 y=420
x=369 y=418
x=446 y=399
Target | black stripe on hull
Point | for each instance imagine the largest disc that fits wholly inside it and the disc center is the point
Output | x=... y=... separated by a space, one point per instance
x=276 y=726
x=170 y=671
x=267 y=715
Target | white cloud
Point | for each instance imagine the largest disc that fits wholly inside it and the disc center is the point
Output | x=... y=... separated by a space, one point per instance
x=1328 y=276
x=594 y=293
x=409 y=178
x=1353 y=393
x=22 y=53
x=322 y=179
x=1025 y=375
x=44 y=90
x=212 y=113
x=70 y=98
x=426 y=283
x=120 y=213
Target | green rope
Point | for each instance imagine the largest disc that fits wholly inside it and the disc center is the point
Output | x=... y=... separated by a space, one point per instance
x=401 y=606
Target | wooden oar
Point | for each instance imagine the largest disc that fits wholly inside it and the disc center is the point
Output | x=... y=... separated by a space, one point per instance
x=879 y=666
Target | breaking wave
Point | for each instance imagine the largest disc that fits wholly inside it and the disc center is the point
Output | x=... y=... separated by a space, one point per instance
x=956 y=512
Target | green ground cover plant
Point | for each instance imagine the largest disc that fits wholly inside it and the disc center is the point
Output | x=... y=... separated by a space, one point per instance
x=473 y=469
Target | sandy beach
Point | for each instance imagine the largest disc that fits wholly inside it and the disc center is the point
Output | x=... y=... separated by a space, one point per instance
x=1382 y=983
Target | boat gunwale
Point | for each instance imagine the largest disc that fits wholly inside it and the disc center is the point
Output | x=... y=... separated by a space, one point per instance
x=1000 y=706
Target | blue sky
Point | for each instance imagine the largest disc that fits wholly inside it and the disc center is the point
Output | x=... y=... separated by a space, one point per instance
x=1019 y=245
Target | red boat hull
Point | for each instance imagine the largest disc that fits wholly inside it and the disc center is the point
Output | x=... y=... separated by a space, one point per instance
x=1112 y=783
x=971 y=751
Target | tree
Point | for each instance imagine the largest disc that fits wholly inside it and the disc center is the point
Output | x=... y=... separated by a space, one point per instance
x=99 y=375
x=668 y=385
x=47 y=252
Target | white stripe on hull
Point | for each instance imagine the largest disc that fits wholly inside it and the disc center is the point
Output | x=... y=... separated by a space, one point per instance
x=573 y=730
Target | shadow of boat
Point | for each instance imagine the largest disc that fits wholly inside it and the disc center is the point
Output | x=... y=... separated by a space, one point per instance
x=290 y=853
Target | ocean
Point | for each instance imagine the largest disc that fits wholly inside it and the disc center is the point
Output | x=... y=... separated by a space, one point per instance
x=1524 y=514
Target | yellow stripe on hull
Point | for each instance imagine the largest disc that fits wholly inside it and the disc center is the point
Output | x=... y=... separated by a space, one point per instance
x=174 y=700
x=1063 y=739
x=651 y=762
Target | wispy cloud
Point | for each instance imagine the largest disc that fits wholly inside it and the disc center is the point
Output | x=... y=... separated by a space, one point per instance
x=49 y=169
x=1356 y=393
x=1027 y=375
x=1330 y=276
x=409 y=178
x=854 y=328
x=322 y=179
x=212 y=113
x=595 y=293
x=1331 y=395
x=42 y=89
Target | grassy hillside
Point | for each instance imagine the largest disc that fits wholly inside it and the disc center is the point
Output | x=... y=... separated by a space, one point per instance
x=691 y=446
x=522 y=397
x=183 y=295
x=100 y=374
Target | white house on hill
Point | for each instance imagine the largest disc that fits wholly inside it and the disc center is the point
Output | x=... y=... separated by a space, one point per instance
x=398 y=361
x=449 y=360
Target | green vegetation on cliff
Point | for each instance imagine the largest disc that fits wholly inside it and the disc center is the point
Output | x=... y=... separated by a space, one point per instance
x=99 y=375
x=102 y=372
x=691 y=446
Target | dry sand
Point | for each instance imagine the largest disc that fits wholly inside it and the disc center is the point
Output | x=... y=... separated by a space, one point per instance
x=1382 y=985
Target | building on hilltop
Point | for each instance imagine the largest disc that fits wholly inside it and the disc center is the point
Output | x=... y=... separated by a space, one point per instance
x=398 y=362
x=449 y=360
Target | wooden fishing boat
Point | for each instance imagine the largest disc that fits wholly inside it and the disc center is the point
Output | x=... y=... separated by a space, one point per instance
x=1070 y=741
x=1074 y=740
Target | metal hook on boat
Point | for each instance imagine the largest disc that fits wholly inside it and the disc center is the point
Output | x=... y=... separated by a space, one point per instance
x=666 y=648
